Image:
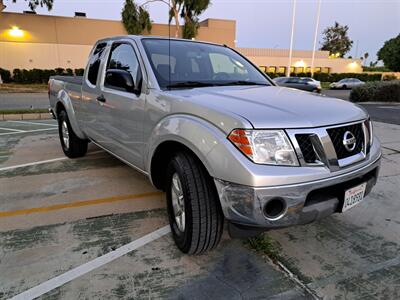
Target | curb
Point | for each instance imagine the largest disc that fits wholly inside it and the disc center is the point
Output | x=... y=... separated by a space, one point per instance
x=27 y=116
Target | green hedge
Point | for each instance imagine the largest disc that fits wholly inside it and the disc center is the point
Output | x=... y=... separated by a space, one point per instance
x=36 y=75
x=383 y=91
x=42 y=76
x=333 y=77
x=5 y=75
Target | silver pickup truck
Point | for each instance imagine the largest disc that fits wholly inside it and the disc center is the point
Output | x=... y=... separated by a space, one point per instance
x=216 y=134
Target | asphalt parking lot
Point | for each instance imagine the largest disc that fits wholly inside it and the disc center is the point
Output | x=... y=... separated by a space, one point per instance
x=93 y=228
x=59 y=217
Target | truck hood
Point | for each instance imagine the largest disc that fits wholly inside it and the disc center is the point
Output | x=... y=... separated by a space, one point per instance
x=275 y=107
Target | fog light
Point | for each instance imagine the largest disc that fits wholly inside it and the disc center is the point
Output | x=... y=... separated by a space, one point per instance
x=274 y=208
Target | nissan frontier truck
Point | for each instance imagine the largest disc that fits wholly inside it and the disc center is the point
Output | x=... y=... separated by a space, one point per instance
x=224 y=142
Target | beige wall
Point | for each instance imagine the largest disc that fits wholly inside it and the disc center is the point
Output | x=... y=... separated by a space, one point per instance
x=42 y=56
x=51 y=41
x=301 y=58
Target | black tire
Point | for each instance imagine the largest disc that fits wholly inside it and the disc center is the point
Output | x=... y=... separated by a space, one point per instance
x=76 y=147
x=204 y=219
x=344 y=87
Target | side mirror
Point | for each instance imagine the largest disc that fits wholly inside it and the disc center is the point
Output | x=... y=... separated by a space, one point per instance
x=120 y=79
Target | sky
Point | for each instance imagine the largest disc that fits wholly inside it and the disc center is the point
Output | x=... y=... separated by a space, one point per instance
x=267 y=23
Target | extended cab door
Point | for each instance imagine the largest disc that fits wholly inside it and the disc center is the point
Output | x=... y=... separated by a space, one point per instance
x=122 y=110
x=90 y=107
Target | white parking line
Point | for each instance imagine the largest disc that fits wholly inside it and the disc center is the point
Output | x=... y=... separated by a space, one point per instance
x=389 y=107
x=33 y=163
x=70 y=275
x=11 y=129
x=40 y=162
x=28 y=131
x=33 y=123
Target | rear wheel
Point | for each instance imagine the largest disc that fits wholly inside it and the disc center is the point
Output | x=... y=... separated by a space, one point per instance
x=72 y=145
x=194 y=212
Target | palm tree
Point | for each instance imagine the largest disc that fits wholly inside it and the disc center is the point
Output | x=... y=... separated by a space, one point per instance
x=366 y=54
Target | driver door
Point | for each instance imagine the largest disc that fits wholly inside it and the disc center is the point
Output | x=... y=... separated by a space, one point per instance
x=124 y=110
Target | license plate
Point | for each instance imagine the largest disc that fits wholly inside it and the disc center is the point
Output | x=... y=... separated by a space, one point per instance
x=354 y=196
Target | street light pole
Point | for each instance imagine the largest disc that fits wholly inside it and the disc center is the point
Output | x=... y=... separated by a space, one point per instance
x=315 y=38
x=291 y=39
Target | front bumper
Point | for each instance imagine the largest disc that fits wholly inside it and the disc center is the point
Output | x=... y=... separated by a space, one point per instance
x=304 y=202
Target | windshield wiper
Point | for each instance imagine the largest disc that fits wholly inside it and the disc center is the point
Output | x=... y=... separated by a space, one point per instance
x=190 y=84
x=243 y=82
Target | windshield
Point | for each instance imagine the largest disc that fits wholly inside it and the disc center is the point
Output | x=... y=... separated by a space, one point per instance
x=193 y=64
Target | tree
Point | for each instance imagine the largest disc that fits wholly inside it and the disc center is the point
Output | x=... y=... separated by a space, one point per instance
x=32 y=4
x=390 y=54
x=190 y=12
x=336 y=40
x=373 y=64
x=366 y=55
x=136 y=19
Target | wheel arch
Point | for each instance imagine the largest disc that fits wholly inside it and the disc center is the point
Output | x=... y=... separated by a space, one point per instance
x=180 y=133
x=64 y=103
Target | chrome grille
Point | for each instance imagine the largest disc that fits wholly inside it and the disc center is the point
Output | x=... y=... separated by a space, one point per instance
x=336 y=135
x=306 y=148
x=325 y=145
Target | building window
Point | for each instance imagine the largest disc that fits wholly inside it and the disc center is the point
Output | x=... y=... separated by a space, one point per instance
x=300 y=70
x=281 y=70
x=325 y=70
x=271 y=69
x=263 y=68
x=291 y=69
x=317 y=70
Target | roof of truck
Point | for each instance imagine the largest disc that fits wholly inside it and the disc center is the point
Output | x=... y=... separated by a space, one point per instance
x=140 y=37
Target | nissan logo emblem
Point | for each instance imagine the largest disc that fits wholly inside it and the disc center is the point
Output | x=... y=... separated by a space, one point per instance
x=349 y=141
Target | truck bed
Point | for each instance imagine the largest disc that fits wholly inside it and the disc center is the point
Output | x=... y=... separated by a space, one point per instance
x=69 y=79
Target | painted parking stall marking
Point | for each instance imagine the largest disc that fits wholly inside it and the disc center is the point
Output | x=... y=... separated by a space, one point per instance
x=22 y=127
x=62 y=279
x=11 y=129
x=42 y=162
x=76 y=204
x=28 y=131
x=32 y=123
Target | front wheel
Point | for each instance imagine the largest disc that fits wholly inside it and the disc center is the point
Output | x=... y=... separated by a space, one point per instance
x=71 y=144
x=195 y=215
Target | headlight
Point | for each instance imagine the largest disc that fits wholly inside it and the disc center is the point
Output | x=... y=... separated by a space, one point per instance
x=270 y=147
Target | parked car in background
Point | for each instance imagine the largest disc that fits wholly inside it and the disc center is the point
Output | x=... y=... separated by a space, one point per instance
x=346 y=83
x=301 y=83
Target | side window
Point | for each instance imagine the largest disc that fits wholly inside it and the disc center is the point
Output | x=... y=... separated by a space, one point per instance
x=94 y=63
x=123 y=57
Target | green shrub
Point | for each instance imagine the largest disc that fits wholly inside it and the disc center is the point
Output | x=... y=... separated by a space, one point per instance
x=5 y=75
x=375 y=69
x=334 y=77
x=59 y=71
x=385 y=91
x=69 y=72
x=79 y=72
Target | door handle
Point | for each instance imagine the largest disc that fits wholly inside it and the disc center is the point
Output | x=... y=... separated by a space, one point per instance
x=101 y=98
